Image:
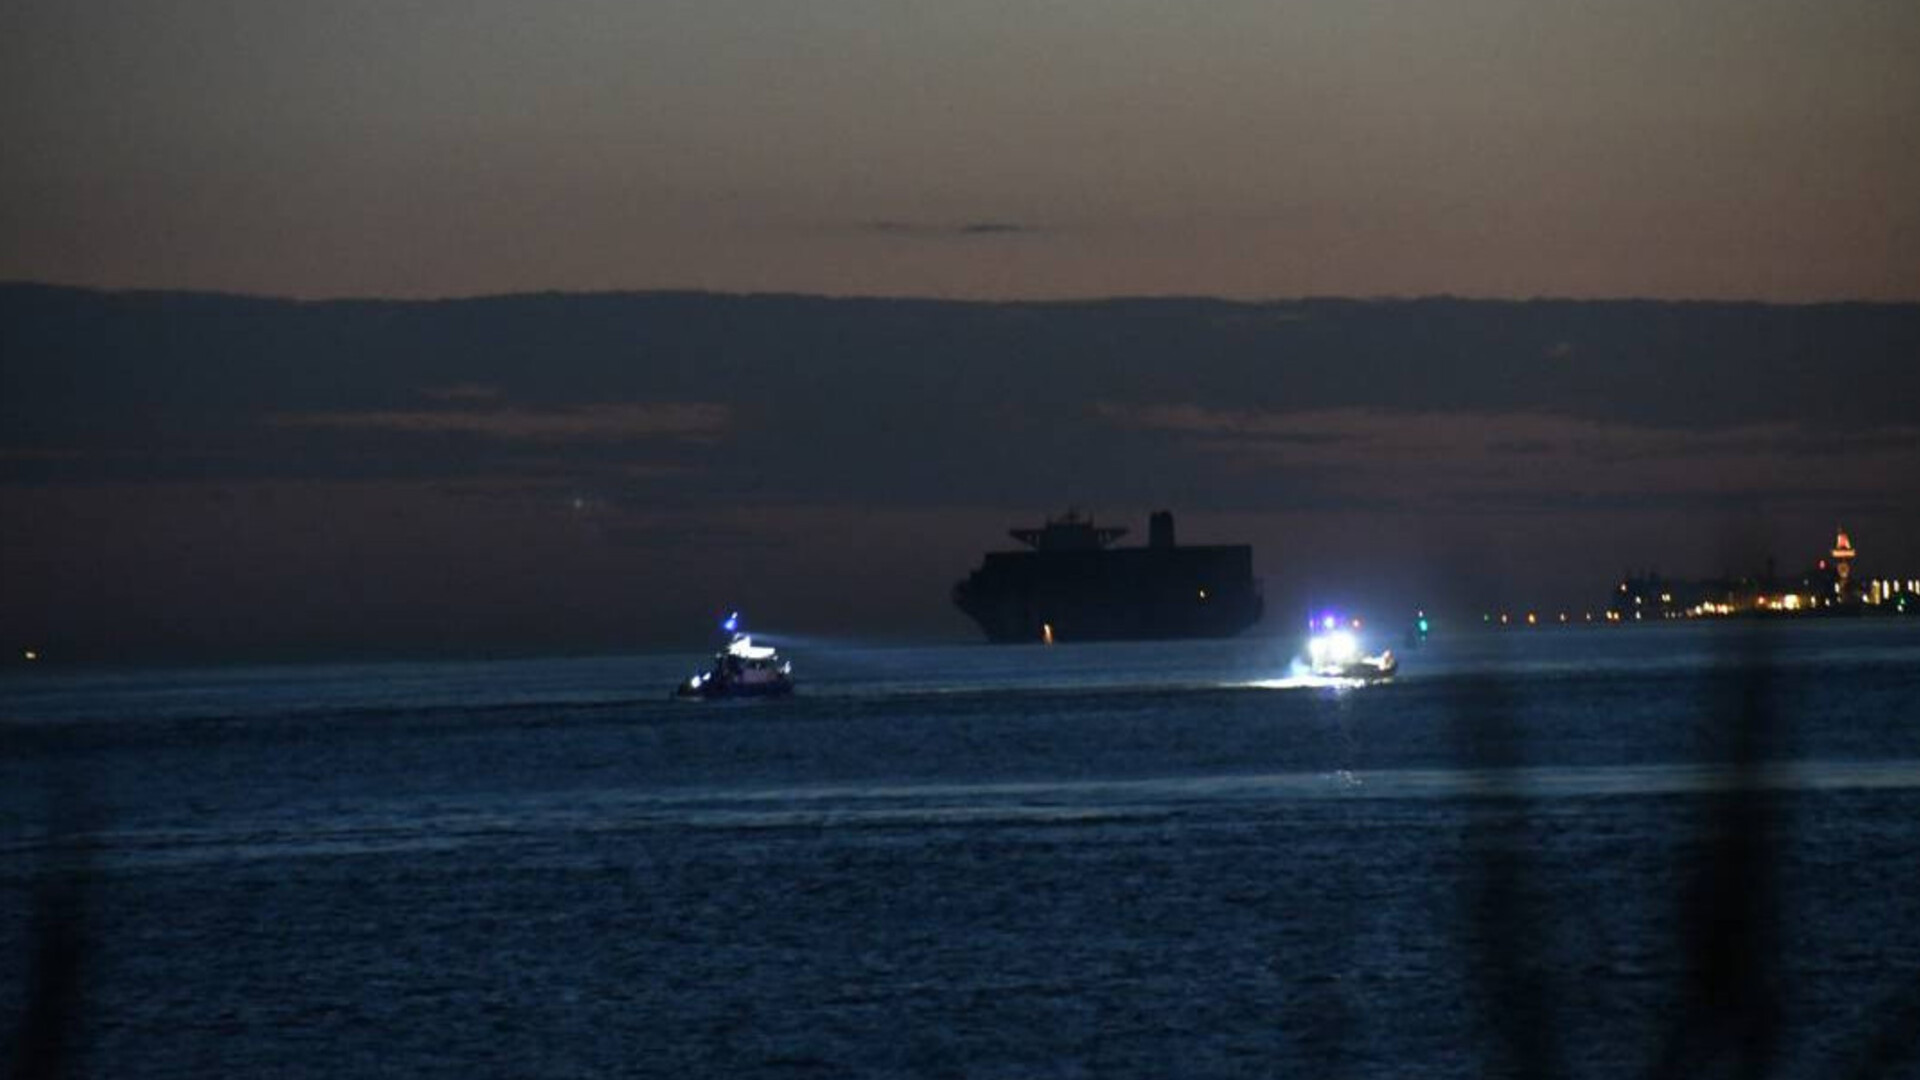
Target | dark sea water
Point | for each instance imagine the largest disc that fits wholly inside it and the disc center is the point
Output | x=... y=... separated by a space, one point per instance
x=1666 y=851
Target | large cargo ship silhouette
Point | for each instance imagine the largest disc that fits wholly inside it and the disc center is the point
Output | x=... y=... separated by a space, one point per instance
x=1074 y=586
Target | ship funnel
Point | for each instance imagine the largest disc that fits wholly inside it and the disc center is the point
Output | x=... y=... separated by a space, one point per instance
x=1160 y=529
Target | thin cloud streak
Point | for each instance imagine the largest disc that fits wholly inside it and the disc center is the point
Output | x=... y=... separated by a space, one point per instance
x=593 y=423
x=1508 y=460
x=961 y=229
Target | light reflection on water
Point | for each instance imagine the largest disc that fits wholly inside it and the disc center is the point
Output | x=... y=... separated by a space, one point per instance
x=403 y=827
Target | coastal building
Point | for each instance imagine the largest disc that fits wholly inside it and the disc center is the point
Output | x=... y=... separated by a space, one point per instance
x=1828 y=587
x=1842 y=556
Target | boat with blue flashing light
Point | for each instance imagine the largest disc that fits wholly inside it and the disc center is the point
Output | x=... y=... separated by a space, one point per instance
x=740 y=669
x=1335 y=651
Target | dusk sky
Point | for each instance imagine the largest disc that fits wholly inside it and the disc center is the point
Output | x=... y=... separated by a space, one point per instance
x=1762 y=149
x=201 y=474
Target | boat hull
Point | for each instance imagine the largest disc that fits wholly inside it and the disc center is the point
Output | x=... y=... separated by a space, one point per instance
x=715 y=689
x=1372 y=669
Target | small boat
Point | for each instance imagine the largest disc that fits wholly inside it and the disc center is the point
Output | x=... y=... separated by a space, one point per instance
x=741 y=669
x=1333 y=652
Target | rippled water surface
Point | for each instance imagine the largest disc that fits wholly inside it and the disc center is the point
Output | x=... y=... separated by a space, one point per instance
x=1601 y=853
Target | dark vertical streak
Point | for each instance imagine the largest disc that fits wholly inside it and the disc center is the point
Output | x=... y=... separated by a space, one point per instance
x=46 y=1041
x=1512 y=947
x=1892 y=1050
x=49 y=1025
x=1730 y=1010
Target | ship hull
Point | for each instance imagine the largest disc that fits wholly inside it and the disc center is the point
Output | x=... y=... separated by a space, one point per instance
x=1127 y=594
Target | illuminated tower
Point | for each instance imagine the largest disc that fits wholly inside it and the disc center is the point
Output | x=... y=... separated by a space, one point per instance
x=1842 y=563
